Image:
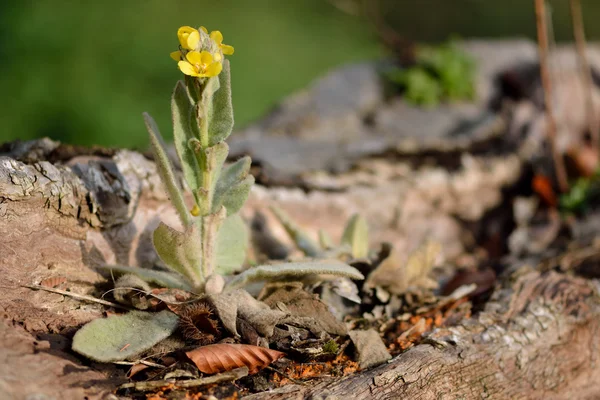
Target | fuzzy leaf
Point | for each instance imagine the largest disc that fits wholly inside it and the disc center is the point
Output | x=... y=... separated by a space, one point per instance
x=293 y=271
x=180 y=251
x=121 y=336
x=220 y=110
x=232 y=242
x=299 y=236
x=233 y=186
x=163 y=164
x=234 y=198
x=356 y=235
x=161 y=278
x=181 y=113
x=325 y=240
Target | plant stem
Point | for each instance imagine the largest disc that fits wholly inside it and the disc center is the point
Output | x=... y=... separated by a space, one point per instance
x=585 y=70
x=559 y=166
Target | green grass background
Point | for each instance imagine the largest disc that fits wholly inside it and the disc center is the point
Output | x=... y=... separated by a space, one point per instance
x=83 y=71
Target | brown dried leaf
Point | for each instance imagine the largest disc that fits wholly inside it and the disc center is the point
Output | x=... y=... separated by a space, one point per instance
x=53 y=282
x=135 y=369
x=223 y=357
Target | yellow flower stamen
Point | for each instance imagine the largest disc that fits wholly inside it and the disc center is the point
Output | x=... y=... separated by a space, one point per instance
x=200 y=64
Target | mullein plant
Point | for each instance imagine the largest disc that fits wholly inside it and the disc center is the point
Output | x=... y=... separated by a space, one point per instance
x=212 y=243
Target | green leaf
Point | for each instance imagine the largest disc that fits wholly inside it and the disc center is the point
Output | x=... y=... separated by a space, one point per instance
x=293 y=271
x=161 y=278
x=122 y=336
x=233 y=186
x=220 y=109
x=325 y=240
x=235 y=197
x=356 y=235
x=299 y=236
x=232 y=242
x=181 y=251
x=163 y=164
x=181 y=112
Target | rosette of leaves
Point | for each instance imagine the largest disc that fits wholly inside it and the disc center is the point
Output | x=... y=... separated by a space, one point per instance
x=212 y=243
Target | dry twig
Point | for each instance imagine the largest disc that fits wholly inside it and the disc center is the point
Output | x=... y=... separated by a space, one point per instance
x=542 y=33
x=152 y=385
x=585 y=70
x=82 y=297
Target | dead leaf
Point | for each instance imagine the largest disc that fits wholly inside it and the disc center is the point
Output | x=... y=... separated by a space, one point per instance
x=484 y=278
x=305 y=309
x=397 y=277
x=543 y=187
x=135 y=369
x=53 y=282
x=584 y=159
x=223 y=357
x=239 y=304
x=370 y=348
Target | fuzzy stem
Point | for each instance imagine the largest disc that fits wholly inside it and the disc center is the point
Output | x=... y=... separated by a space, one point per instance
x=559 y=166
x=210 y=227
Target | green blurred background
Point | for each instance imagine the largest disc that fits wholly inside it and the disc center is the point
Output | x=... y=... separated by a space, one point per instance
x=83 y=71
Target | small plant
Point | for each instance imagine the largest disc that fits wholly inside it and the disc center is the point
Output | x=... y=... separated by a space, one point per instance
x=441 y=73
x=354 y=242
x=214 y=238
x=581 y=194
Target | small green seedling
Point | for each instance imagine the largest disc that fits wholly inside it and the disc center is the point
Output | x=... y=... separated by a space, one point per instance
x=354 y=242
x=213 y=240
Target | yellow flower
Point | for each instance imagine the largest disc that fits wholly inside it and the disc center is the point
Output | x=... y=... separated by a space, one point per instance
x=200 y=64
x=217 y=37
x=176 y=55
x=188 y=37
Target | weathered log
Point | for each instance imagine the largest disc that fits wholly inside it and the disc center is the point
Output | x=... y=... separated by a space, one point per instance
x=537 y=340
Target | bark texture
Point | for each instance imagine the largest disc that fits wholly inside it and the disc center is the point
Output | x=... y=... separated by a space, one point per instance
x=537 y=340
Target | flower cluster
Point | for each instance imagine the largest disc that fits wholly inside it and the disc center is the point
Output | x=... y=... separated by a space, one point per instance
x=200 y=54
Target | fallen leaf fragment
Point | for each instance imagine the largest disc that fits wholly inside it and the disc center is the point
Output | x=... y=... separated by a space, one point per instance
x=370 y=348
x=135 y=369
x=53 y=282
x=543 y=187
x=223 y=357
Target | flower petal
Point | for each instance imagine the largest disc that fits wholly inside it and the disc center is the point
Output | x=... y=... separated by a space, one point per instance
x=183 y=34
x=227 y=50
x=206 y=57
x=193 y=40
x=214 y=69
x=217 y=57
x=217 y=36
x=203 y=29
x=194 y=57
x=176 y=55
x=187 y=68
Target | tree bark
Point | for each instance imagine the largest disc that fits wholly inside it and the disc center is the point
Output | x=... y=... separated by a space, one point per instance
x=538 y=339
